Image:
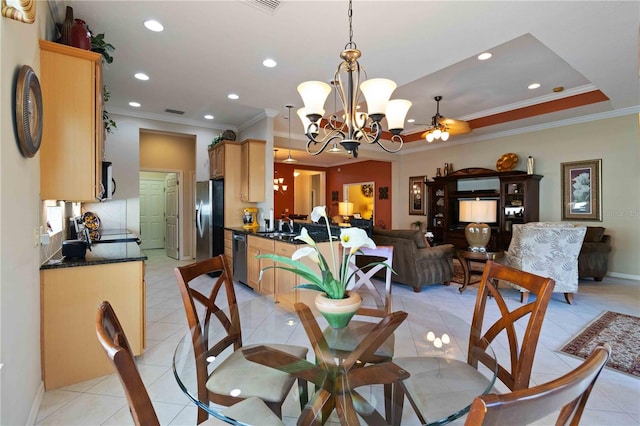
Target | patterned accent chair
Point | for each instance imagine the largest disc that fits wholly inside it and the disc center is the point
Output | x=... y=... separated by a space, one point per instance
x=548 y=249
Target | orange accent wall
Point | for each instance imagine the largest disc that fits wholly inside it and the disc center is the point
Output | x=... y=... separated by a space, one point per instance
x=366 y=171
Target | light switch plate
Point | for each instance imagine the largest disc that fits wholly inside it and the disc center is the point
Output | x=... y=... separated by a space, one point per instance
x=36 y=237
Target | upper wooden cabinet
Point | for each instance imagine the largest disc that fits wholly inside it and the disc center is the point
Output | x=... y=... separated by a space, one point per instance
x=252 y=171
x=216 y=161
x=72 y=147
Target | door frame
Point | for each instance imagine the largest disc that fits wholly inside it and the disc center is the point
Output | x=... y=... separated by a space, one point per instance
x=181 y=229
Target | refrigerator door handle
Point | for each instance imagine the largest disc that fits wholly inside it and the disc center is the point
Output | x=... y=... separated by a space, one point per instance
x=199 y=220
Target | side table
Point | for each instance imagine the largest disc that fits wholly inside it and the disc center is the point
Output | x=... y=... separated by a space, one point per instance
x=466 y=257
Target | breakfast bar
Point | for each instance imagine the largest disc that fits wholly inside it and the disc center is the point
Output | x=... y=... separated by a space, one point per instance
x=70 y=291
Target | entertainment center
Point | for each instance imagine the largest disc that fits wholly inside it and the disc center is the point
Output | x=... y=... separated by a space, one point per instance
x=516 y=194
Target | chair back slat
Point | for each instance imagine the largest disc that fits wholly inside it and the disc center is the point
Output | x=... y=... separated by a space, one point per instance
x=518 y=373
x=363 y=275
x=112 y=338
x=567 y=395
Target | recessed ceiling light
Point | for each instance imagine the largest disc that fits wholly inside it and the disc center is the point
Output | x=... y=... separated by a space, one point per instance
x=233 y=96
x=209 y=117
x=411 y=120
x=484 y=56
x=269 y=63
x=134 y=104
x=141 y=76
x=153 y=25
x=533 y=86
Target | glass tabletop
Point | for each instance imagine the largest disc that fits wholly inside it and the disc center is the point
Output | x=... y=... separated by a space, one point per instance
x=432 y=346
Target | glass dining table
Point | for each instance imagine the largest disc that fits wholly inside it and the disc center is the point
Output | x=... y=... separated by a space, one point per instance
x=341 y=389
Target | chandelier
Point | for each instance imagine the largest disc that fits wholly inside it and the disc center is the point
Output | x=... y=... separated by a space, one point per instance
x=353 y=127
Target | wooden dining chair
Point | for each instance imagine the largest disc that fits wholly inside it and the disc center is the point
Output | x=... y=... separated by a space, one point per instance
x=216 y=327
x=114 y=341
x=566 y=395
x=514 y=372
x=376 y=304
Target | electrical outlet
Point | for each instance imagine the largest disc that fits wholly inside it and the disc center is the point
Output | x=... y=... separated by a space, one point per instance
x=36 y=237
x=45 y=239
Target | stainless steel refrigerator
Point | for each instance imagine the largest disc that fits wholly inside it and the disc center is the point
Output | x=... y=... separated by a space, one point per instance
x=209 y=218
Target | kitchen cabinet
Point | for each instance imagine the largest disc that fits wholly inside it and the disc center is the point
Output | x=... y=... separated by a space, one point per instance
x=252 y=187
x=70 y=297
x=216 y=161
x=228 y=246
x=255 y=247
x=72 y=147
x=284 y=280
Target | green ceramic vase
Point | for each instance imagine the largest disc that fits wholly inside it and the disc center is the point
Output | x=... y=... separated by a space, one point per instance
x=338 y=312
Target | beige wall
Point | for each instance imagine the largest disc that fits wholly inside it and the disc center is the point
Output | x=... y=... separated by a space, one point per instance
x=620 y=154
x=20 y=378
x=173 y=153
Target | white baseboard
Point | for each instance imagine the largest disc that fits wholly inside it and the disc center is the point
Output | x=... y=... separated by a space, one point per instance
x=624 y=276
x=35 y=406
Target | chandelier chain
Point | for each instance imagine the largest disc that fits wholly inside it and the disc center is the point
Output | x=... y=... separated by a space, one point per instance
x=351 y=44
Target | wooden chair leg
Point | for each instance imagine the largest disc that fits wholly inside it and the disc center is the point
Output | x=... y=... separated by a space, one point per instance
x=569 y=298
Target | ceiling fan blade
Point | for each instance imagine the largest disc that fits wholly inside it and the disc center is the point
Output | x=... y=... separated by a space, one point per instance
x=457 y=127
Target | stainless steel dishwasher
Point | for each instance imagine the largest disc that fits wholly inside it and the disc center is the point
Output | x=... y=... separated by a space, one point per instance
x=240 y=257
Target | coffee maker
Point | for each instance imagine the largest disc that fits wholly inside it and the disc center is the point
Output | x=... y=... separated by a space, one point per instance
x=250 y=218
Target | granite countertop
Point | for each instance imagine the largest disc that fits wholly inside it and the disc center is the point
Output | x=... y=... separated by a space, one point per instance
x=316 y=231
x=114 y=252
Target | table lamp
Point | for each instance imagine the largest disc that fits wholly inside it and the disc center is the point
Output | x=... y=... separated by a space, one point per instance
x=475 y=212
x=345 y=209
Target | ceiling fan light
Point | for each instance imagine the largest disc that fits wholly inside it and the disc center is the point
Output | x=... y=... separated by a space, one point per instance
x=397 y=110
x=377 y=92
x=437 y=133
x=429 y=137
x=314 y=94
x=444 y=136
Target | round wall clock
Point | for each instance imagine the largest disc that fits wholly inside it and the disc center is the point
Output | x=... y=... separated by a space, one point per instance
x=28 y=108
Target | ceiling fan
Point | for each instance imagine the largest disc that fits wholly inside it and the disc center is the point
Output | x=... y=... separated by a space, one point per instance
x=442 y=127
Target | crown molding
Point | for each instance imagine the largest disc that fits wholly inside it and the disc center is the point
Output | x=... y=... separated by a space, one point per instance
x=535 y=128
x=169 y=119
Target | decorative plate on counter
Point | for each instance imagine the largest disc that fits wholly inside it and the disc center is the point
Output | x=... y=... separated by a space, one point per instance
x=507 y=162
x=91 y=221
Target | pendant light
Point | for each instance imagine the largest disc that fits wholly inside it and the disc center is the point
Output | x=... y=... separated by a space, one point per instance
x=289 y=160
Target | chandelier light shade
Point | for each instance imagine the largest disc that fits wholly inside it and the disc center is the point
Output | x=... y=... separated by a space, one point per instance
x=476 y=211
x=351 y=128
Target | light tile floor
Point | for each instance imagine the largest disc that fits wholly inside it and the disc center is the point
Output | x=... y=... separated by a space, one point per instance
x=615 y=400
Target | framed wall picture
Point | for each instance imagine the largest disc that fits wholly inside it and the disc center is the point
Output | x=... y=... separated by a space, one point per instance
x=20 y=10
x=417 y=195
x=581 y=190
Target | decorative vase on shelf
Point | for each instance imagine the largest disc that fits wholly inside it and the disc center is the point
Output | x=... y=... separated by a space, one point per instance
x=65 y=37
x=80 y=36
x=338 y=312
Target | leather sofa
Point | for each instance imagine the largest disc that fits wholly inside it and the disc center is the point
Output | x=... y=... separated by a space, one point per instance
x=414 y=262
x=593 y=260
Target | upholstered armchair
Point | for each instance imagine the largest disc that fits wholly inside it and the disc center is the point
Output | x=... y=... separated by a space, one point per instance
x=550 y=250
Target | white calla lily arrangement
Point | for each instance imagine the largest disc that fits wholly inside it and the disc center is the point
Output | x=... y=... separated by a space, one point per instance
x=334 y=277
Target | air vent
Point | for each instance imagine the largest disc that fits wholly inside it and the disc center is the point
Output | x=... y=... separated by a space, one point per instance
x=268 y=6
x=174 y=111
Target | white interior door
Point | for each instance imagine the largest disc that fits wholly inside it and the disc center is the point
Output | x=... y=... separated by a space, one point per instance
x=152 y=227
x=171 y=210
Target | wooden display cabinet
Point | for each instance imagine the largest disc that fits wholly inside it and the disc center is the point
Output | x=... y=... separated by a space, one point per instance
x=73 y=135
x=516 y=193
